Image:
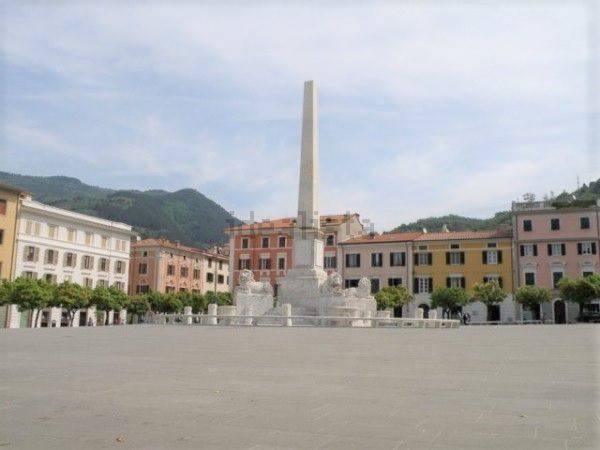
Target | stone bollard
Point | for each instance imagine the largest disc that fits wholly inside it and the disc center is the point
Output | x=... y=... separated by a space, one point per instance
x=433 y=313
x=212 y=312
x=248 y=320
x=419 y=313
x=227 y=310
x=287 y=313
x=123 y=317
x=187 y=311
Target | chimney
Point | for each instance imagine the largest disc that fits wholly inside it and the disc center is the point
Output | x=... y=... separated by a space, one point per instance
x=424 y=230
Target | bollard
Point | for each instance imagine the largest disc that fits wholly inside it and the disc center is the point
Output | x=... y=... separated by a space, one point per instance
x=187 y=311
x=212 y=312
x=248 y=320
x=433 y=313
x=287 y=313
x=419 y=313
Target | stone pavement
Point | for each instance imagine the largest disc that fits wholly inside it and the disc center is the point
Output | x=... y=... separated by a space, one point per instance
x=175 y=387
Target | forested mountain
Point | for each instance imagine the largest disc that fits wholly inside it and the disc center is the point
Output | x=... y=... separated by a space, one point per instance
x=585 y=195
x=186 y=215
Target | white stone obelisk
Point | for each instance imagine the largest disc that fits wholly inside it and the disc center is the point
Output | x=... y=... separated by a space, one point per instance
x=300 y=287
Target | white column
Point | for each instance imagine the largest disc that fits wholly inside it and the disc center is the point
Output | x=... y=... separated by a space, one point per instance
x=212 y=312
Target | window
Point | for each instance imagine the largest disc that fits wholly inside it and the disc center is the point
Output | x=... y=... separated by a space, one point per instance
x=556 y=277
x=394 y=281
x=105 y=241
x=196 y=274
x=281 y=263
x=142 y=289
x=376 y=259
x=71 y=235
x=169 y=289
x=264 y=263
x=554 y=224
x=529 y=279
x=88 y=282
x=70 y=259
x=143 y=268
x=455 y=258
x=50 y=278
x=209 y=263
x=29 y=274
x=490 y=278
x=51 y=257
x=265 y=242
x=1 y=236
x=31 y=253
x=171 y=270
x=587 y=274
x=353 y=260
x=145 y=254
x=492 y=257
x=89 y=238
x=454 y=246
x=422 y=247
x=423 y=259
x=529 y=250
x=103 y=265
x=374 y=285
x=2 y=207
x=210 y=277
x=423 y=285
x=330 y=262
x=556 y=249
x=397 y=259
x=119 y=285
x=584 y=223
x=52 y=231
x=245 y=243
x=220 y=279
x=220 y=265
x=455 y=282
x=103 y=283
x=586 y=248
x=87 y=262
x=330 y=240
x=352 y=283
x=281 y=241
x=119 y=267
x=527 y=226
x=184 y=272
x=244 y=264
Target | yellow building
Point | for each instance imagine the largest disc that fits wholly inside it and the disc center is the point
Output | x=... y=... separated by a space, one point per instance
x=462 y=259
x=10 y=201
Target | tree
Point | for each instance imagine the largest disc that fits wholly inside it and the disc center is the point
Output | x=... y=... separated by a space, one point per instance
x=581 y=290
x=489 y=293
x=107 y=299
x=450 y=299
x=138 y=305
x=71 y=297
x=171 y=304
x=224 y=298
x=32 y=295
x=6 y=288
x=390 y=297
x=531 y=297
x=156 y=301
x=193 y=299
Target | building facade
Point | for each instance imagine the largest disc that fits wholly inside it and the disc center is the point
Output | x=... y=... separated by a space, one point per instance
x=265 y=247
x=553 y=243
x=10 y=203
x=59 y=245
x=163 y=266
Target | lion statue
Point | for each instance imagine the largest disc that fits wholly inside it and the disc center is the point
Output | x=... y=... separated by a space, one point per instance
x=249 y=286
x=333 y=285
x=364 y=288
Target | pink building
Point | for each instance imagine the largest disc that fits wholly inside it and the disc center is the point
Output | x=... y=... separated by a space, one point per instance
x=552 y=243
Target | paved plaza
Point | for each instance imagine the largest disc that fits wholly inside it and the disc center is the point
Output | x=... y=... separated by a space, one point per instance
x=151 y=387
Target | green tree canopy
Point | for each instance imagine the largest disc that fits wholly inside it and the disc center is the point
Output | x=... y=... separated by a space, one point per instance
x=107 y=299
x=138 y=305
x=30 y=294
x=489 y=293
x=581 y=290
x=449 y=299
x=390 y=297
x=156 y=301
x=6 y=288
x=71 y=297
x=532 y=297
x=171 y=304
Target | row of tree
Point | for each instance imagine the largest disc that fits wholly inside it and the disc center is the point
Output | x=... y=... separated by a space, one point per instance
x=37 y=295
x=451 y=299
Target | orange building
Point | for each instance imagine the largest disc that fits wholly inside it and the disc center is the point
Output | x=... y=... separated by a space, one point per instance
x=164 y=266
x=266 y=247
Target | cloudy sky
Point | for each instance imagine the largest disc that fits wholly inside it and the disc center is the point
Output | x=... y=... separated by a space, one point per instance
x=425 y=110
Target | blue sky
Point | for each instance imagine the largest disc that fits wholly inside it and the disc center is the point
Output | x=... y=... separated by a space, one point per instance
x=425 y=110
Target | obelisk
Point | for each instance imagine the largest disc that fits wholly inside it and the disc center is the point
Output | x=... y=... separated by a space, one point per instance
x=301 y=285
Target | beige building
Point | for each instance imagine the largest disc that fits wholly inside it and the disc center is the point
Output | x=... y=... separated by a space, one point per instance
x=10 y=202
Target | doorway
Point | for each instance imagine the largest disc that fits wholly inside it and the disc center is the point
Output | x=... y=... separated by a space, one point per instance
x=83 y=318
x=560 y=312
x=398 y=311
x=493 y=313
x=425 y=308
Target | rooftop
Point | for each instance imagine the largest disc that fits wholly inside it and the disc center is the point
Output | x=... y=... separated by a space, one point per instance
x=383 y=238
x=290 y=222
x=464 y=235
x=165 y=243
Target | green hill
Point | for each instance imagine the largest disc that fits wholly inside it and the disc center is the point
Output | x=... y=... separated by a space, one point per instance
x=186 y=215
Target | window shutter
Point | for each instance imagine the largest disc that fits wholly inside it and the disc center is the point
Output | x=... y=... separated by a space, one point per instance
x=579 y=250
x=415 y=285
x=500 y=282
x=484 y=255
x=462 y=257
x=447 y=258
x=485 y=279
x=430 y=283
x=448 y=282
x=403 y=258
x=534 y=249
x=463 y=282
x=74 y=259
x=549 y=249
x=416 y=259
x=55 y=259
x=36 y=254
x=391 y=259
x=499 y=256
x=593 y=248
x=522 y=250
x=26 y=248
x=430 y=258
x=347 y=260
x=563 y=249
x=358 y=260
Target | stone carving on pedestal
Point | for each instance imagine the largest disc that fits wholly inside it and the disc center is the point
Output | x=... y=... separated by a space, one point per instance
x=254 y=296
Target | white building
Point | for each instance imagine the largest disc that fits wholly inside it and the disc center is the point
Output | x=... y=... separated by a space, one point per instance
x=57 y=245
